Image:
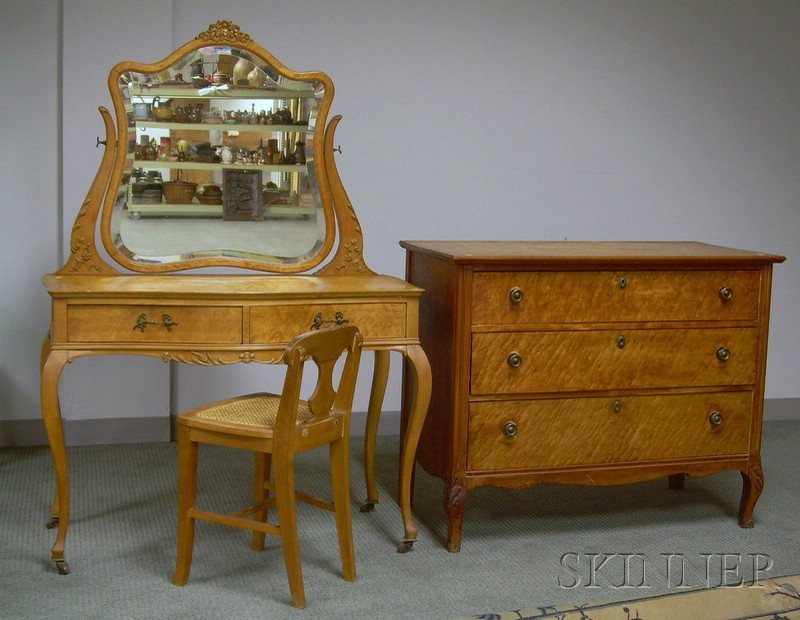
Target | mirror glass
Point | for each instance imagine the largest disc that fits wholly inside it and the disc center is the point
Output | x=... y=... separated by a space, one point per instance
x=219 y=162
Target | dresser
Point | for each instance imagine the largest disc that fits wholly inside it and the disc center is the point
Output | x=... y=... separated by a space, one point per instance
x=591 y=363
x=274 y=222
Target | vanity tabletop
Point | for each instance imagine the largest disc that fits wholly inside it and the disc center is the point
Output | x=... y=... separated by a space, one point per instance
x=228 y=285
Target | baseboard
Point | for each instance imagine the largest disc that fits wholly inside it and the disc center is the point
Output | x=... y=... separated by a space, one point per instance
x=137 y=430
x=776 y=409
x=87 y=432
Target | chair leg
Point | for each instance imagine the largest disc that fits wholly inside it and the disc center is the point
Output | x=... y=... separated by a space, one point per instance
x=187 y=493
x=263 y=463
x=283 y=474
x=340 y=480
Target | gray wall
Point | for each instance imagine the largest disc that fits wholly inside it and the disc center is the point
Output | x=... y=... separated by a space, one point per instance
x=556 y=119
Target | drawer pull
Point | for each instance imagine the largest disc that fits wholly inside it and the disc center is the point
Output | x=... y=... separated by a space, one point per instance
x=623 y=281
x=516 y=295
x=142 y=322
x=510 y=429
x=514 y=360
x=621 y=341
x=715 y=418
x=725 y=293
x=338 y=319
x=723 y=354
x=616 y=406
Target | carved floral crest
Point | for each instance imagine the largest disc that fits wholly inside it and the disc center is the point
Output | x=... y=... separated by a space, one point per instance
x=224 y=30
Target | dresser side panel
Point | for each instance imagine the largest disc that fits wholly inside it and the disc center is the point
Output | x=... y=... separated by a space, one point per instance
x=761 y=365
x=439 y=335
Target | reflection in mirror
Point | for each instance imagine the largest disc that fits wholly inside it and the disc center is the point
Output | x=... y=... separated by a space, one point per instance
x=219 y=162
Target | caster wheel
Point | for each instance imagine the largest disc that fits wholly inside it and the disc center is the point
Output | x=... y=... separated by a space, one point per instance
x=62 y=567
x=52 y=522
x=405 y=546
x=367 y=507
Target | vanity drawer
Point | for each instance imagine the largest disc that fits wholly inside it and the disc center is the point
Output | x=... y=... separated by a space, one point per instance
x=569 y=361
x=274 y=323
x=154 y=324
x=536 y=434
x=613 y=296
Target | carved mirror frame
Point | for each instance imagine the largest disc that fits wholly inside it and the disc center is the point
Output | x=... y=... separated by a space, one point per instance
x=341 y=223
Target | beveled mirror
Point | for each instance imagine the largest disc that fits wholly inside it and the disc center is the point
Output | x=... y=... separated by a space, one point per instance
x=221 y=157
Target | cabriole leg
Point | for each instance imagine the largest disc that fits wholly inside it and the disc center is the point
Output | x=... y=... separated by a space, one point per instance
x=52 y=364
x=380 y=378
x=421 y=370
x=752 y=485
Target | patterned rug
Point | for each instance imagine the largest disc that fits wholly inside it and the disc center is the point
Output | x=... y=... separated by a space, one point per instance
x=771 y=599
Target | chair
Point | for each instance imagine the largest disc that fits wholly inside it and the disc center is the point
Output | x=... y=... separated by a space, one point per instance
x=276 y=427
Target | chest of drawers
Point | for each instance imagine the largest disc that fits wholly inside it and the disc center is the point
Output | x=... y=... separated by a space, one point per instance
x=591 y=363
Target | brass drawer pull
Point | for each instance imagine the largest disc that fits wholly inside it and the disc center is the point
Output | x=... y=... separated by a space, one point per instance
x=516 y=295
x=514 y=360
x=338 y=319
x=510 y=429
x=616 y=406
x=623 y=281
x=715 y=418
x=142 y=322
x=621 y=341
x=723 y=354
x=725 y=293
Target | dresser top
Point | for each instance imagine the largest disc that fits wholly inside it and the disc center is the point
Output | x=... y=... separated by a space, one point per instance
x=600 y=252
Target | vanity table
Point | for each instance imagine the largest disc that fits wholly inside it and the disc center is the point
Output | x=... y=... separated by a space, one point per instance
x=283 y=223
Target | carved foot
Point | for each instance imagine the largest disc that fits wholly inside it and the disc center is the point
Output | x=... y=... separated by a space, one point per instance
x=454 y=546
x=405 y=546
x=367 y=506
x=454 y=497
x=62 y=567
x=52 y=523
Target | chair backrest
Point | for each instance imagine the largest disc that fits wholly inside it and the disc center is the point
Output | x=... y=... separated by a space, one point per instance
x=324 y=348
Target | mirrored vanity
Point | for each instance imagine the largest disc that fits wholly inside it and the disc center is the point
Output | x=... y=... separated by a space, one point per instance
x=215 y=163
x=220 y=156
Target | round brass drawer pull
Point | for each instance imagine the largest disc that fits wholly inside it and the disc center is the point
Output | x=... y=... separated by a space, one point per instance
x=715 y=418
x=516 y=295
x=723 y=354
x=621 y=341
x=725 y=293
x=510 y=429
x=514 y=360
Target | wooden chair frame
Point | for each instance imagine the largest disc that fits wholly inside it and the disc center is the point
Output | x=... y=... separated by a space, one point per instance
x=298 y=426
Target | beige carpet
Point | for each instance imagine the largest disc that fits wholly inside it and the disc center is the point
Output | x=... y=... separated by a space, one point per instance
x=771 y=599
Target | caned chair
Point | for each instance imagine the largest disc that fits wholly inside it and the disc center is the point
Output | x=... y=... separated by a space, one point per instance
x=276 y=427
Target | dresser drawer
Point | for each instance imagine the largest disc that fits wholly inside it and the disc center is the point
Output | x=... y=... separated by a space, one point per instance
x=274 y=323
x=569 y=361
x=591 y=431
x=613 y=296
x=154 y=324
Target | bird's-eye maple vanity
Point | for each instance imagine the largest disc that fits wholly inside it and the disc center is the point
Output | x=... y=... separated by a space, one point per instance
x=241 y=122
